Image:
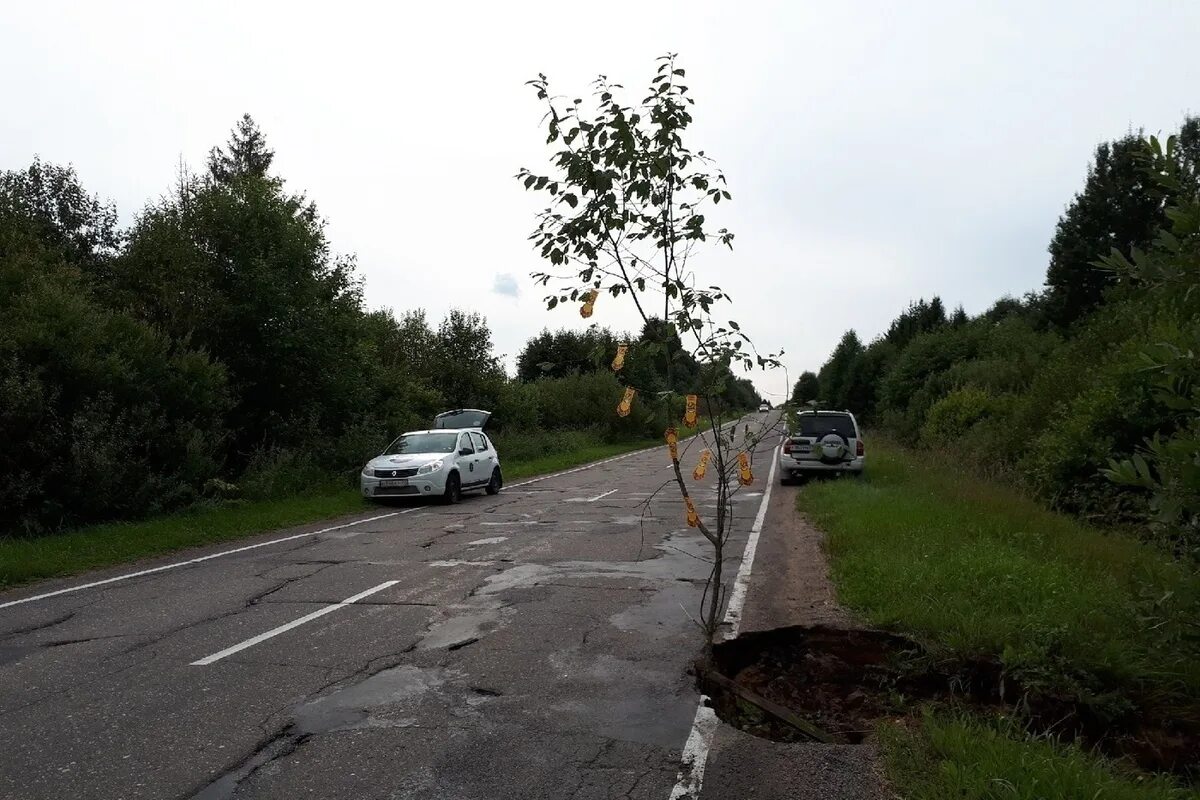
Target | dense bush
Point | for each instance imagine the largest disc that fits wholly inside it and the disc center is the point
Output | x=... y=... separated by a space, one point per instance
x=101 y=414
x=954 y=415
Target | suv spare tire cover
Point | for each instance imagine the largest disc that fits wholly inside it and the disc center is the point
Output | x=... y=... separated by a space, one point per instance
x=834 y=447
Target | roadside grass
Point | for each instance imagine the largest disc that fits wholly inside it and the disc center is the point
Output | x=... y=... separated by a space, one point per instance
x=972 y=568
x=23 y=560
x=950 y=756
x=30 y=559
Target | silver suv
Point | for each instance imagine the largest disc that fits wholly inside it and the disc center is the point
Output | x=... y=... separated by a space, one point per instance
x=821 y=441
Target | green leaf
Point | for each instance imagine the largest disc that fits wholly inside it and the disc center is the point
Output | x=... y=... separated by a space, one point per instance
x=571 y=200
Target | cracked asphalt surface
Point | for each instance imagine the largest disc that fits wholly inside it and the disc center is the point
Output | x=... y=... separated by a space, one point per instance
x=536 y=644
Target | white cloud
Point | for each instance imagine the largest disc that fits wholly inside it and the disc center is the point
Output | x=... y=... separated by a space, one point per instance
x=506 y=284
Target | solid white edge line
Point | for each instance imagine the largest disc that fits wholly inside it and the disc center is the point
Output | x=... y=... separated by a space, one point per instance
x=262 y=637
x=695 y=754
x=198 y=560
x=695 y=751
x=741 y=583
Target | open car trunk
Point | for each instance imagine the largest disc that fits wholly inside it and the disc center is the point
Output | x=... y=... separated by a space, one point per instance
x=462 y=418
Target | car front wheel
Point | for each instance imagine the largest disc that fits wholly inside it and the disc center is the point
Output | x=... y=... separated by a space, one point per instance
x=453 y=491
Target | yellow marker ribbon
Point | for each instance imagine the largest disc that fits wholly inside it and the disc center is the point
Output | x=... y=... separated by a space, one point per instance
x=619 y=361
x=626 y=402
x=689 y=416
x=589 y=300
x=693 y=519
x=702 y=467
x=672 y=442
x=745 y=476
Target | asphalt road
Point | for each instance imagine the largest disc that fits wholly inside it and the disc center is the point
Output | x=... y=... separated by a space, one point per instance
x=533 y=644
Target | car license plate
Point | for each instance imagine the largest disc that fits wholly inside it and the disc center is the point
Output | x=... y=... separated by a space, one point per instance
x=394 y=482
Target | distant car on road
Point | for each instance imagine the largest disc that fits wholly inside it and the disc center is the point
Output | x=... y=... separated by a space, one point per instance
x=822 y=441
x=764 y=406
x=454 y=457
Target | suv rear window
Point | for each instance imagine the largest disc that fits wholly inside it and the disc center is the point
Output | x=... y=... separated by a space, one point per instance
x=818 y=425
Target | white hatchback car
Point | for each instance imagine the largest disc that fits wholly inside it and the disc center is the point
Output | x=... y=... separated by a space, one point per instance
x=454 y=457
x=823 y=441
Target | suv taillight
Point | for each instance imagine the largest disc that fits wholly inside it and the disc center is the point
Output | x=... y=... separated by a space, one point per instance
x=787 y=447
x=859 y=449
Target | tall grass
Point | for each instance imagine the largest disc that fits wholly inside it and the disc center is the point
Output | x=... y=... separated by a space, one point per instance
x=951 y=756
x=974 y=568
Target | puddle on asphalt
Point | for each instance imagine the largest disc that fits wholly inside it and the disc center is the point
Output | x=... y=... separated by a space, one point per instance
x=681 y=555
x=623 y=699
x=350 y=707
x=632 y=519
x=668 y=605
x=489 y=540
x=464 y=629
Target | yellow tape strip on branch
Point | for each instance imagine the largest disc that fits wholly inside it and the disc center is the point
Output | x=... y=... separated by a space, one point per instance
x=626 y=402
x=702 y=467
x=693 y=519
x=619 y=361
x=745 y=476
x=672 y=442
x=589 y=302
x=689 y=415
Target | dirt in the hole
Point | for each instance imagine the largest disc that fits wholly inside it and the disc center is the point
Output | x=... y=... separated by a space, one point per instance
x=845 y=681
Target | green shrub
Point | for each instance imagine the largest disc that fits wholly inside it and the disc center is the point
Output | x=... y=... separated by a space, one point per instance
x=287 y=473
x=955 y=414
x=948 y=756
x=104 y=417
x=589 y=400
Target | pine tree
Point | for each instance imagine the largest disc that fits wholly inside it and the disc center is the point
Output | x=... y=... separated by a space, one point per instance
x=1117 y=208
x=246 y=153
x=807 y=388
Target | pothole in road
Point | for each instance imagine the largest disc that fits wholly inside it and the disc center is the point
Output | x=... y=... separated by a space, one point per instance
x=779 y=683
x=801 y=683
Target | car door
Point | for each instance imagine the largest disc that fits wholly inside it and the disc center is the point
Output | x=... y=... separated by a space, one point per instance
x=468 y=470
x=485 y=456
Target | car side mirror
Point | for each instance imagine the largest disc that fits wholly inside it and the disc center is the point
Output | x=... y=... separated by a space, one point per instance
x=465 y=451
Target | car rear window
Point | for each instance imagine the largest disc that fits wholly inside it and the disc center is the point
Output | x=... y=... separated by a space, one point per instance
x=819 y=425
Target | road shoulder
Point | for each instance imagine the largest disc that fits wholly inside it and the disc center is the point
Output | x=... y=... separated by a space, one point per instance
x=790 y=586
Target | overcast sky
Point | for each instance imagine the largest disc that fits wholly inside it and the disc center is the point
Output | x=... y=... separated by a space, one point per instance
x=877 y=152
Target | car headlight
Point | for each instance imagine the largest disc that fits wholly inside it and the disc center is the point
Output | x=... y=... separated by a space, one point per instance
x=433 y=466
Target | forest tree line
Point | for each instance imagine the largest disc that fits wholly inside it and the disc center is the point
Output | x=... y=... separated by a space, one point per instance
x=219 y=347
x=1087 y=392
